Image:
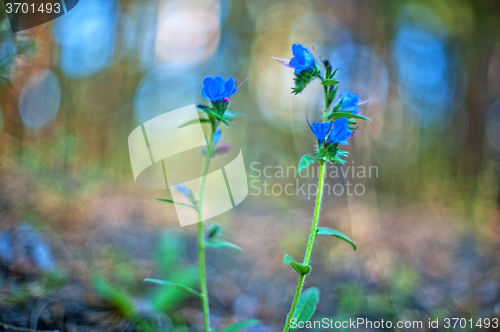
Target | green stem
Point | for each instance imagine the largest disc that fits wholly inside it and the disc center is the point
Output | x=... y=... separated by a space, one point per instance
x=201 y=235
x=310 y=244
x=314 y=226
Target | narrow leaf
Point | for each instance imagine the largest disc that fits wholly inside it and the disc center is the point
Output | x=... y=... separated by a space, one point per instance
x=338 y=115
x=240 y=325
x=178 y=203
x=119 y=297
x=332 y=232
x=300 y=268
x=306 y=305
x=305 y=161
x=330 y=82
x=221 y=244
x=195 y=121
x=174 y=285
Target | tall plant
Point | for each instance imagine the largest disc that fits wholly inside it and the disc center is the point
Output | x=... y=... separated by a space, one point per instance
x=218 y=91
x=334 y=130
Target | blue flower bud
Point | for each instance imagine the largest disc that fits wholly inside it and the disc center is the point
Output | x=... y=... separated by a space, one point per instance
x=183 y=189
x=217 y=136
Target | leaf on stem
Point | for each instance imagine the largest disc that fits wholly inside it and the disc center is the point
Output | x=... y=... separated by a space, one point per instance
x=306 y=305
x=240 y=325
x=338 y=115
x=221 y=244
x=332 y=232
x=195 y=121
x=329 y=82
x=165 y=200
x=301 y=269
x=174 y=285
x=305 y=161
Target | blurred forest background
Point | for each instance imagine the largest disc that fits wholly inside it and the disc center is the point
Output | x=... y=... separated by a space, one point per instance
x=78 y=236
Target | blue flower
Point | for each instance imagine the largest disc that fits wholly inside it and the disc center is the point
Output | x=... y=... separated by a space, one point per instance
x=216 y=88
x=320 y=130
x=183 y=189
x=340 y=132
x=302 y=59
x=217 y=136
x=349 y=102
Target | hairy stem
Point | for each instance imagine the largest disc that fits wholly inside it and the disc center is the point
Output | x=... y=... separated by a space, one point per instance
x=314 y=226
x=201 y=235
x=310 y=243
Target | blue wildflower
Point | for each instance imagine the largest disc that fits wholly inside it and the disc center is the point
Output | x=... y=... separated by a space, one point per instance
x=302 y=59
x=349 y=102
x=183 y=189
x=340 y=132
x=216 y=88
x=320 y=130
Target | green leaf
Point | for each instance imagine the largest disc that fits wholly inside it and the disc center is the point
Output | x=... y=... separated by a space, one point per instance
x=221 y=244
x=240 y=325
x=178 y=203
x=306 y=305
x=119 y=297
x=174 y=285
x=305 y=161
x=332 y=232
x=330 y=82
x=300 y=268
x=195 y=121
x=338 y=115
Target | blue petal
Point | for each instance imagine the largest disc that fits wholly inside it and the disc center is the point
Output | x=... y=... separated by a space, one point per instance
x=204 y=93
x=340 y=132
x=207 y=80
x=229 y=87
x=294 y=63
x=349 y=99
x=213 y=91
x=309 y=61
x=218 y=88
x=320 y=130
x=298 y=52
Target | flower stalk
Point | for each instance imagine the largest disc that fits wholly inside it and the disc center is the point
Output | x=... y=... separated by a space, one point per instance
x=218 y=90
x=314 y=227
x=201 y=233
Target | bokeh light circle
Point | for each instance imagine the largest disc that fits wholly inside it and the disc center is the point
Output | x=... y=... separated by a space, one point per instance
x=87 y=37
x=40 y=99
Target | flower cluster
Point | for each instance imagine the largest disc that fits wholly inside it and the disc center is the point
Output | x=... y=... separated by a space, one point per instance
x=218 y=91
x=329 y=135
x=339 y=123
